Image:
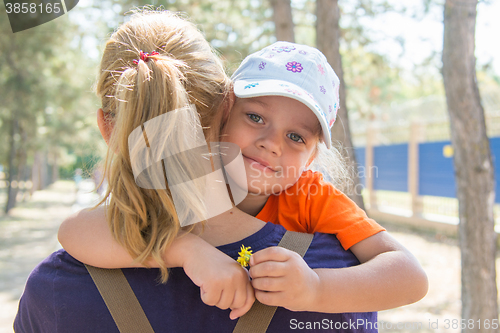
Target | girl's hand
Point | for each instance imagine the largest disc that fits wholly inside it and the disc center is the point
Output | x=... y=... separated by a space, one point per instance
x=223 y=282
x=281 y=277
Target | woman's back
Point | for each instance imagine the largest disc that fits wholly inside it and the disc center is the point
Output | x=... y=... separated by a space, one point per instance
x=60 y=296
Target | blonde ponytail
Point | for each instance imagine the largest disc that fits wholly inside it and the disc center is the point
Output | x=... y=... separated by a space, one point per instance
x=184 y=72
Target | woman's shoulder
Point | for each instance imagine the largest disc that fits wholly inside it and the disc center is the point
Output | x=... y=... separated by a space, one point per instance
x=60 y=294
x=38 y=306
x=59 y=263
x=50 y=275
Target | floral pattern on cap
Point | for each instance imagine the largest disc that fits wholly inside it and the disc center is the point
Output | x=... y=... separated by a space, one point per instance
x=294 y=67
x=310 y=95
x=321 y=69
x=293 y=91
x=284 y=49
x=251 y=85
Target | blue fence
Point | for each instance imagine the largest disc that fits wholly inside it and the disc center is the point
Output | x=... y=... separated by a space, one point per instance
x=436 y=171
x=392 y=167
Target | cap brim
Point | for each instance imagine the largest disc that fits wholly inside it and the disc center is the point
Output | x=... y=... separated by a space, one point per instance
x=258 y=88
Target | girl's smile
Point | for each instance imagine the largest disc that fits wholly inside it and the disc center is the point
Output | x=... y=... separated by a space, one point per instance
x=255 y=162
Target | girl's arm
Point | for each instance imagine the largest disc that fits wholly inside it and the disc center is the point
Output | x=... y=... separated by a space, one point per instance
x=388 y=276
x=86 y=236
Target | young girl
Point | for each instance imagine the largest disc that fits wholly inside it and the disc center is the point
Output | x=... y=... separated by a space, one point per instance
x=286 y=101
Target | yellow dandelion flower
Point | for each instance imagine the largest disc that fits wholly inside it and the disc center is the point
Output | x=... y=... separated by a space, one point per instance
x=244 y=257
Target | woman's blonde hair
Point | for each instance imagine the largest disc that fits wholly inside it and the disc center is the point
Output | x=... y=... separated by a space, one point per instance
x=185 y=72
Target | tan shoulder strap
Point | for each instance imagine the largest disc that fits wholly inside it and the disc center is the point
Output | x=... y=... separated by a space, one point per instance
x=258 y=318
x=130 y=317
x=120 y=299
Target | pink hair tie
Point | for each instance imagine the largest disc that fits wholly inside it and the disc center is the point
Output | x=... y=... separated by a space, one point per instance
x=145 y=56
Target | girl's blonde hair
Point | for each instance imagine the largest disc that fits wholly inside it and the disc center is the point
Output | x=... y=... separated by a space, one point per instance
x=332 y=164
x=185 y=72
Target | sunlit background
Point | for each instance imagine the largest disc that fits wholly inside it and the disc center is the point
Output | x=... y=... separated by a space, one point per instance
x=391 y=54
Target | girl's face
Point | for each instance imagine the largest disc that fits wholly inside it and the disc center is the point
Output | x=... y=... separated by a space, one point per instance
x=277 y=137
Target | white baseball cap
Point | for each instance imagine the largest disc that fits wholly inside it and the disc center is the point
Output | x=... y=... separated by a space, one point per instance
x=292 y=70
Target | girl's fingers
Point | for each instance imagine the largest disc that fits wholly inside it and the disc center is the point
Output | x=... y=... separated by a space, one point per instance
x=209 y=298
x=226 y=299
x=240 y=297
x=269 y=284
x=268 y=269
x=236 y=313
x=269 y=298
x=274 y=253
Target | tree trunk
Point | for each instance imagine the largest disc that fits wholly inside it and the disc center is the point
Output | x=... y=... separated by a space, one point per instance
x=474 y=172
x=11 y=191
x=55 y=168
x=328 y=36
x=44 y=171
x=22 y=156
x=283 y=21
x=36 y=174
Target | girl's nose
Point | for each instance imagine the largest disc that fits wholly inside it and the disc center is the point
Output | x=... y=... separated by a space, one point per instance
x=271 y=141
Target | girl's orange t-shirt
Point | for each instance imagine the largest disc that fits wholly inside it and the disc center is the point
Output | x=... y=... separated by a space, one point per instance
x=314 y=205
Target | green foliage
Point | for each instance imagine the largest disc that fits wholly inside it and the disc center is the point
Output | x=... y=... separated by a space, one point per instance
x=86 y=160
x=45 y=87
x=234 y=28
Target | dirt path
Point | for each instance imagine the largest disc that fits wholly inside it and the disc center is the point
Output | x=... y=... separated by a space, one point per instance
x=29 y=235
x=440 y=258
x=439 y=310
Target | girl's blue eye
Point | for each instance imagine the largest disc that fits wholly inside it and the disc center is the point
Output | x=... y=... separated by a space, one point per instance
x=254 y=117
x=295 y=137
